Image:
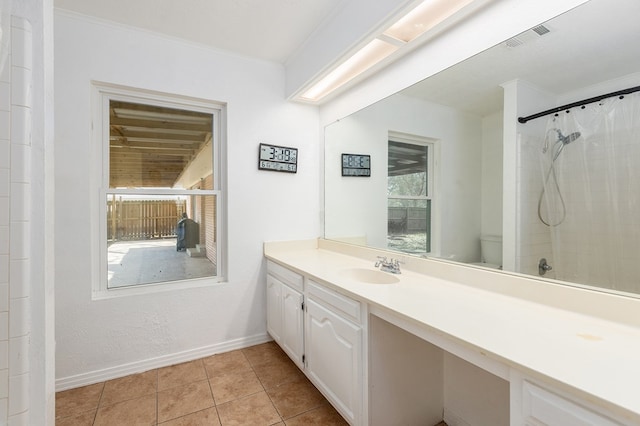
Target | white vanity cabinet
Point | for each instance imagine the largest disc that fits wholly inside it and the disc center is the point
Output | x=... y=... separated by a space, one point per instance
x=333 y=349
x=285 y=316
x=322 y=331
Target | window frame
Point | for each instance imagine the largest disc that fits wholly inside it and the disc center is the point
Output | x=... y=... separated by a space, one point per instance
x=102 y=94
x=433 y=155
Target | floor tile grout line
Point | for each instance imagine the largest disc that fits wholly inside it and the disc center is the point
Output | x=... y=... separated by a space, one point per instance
x=157 y=396
x=95 y=416
x=213 y=397
x=269 y=355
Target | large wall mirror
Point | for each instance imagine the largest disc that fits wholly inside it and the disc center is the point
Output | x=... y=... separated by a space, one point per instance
x=454 y=175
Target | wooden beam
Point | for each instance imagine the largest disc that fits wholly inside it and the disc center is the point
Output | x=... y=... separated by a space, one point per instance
x=132 y=124
x=158 y=136
x=147 y=153
x=123 y=142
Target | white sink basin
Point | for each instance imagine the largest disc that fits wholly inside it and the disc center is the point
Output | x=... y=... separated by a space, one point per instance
x=369 y=276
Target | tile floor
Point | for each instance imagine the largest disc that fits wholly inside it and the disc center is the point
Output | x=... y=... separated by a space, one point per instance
x=253 y=386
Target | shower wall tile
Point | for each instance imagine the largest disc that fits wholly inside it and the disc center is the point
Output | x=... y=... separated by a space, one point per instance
x=4 y=325
x=19 y=355
x=4 y=297
x=5 y=73
x=4 y=355
x=20 y=236
x=20 y=163
x=4 y=211
x=21 y=48
x=21 y=125
x=4 y=268
x=4 y=383
x=4 y=240
x=5 y=125
x=21 y=87
x=20 y=419
x=4 y=408
x=19 y=401
x=20 y=202
x=20 y=278
x=18 y=23
x=5 y=96
x=5 y=152
x=4 y=182
x=19 y=317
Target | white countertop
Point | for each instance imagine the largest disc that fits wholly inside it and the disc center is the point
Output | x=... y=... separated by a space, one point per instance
x=594 y=356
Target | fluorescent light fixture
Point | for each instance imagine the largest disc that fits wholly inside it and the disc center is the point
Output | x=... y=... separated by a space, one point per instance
x=419 y=20
x=361 y=61
x=425 y=16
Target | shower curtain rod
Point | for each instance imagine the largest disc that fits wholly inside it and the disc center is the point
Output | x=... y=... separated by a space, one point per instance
x=580 y=103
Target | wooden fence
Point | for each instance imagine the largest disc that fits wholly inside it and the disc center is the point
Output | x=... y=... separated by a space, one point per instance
x=143 y=219
x=408 y=220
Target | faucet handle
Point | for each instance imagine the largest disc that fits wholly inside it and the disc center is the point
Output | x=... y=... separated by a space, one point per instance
x=381 y=261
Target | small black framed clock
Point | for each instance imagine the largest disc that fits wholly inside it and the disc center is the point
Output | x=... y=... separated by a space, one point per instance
x=356 y=165
x=278 y=158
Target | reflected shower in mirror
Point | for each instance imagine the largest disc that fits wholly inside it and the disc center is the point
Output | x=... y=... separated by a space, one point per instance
x=495 y=192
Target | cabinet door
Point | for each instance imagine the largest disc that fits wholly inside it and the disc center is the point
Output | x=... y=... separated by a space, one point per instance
x=274 y=308
x=334 y=359
x=292 y=324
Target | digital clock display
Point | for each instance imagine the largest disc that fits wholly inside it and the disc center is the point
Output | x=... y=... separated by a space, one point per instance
x=356 y=165
x=278 y=158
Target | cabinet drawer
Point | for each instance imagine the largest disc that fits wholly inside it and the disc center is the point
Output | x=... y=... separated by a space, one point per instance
x=344 y=305
x=542 y=407
x=287 y=276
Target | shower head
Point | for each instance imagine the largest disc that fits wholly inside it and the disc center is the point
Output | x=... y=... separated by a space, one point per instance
x=567 y=139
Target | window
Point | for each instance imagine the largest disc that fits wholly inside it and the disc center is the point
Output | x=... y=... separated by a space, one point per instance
x=162 y=200
x=409 y=194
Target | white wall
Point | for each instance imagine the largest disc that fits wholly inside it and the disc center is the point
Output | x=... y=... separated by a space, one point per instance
x=97 y=339
x=491 y=199
x=357 y=206
x=526 y=240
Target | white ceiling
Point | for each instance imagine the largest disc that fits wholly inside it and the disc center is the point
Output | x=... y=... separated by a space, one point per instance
x=266 y=29
x=593 y=43
x=274 y=29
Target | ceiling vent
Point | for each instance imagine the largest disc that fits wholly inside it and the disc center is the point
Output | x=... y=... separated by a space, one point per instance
x=527 y=36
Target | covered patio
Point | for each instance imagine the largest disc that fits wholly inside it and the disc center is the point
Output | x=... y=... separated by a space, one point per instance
x=158 y=158
x=153 y=261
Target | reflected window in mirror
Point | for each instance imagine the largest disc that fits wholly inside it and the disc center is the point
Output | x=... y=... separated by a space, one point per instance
x=409 y=194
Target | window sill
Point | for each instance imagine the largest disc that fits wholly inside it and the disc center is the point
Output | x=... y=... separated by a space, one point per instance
x=144 y=289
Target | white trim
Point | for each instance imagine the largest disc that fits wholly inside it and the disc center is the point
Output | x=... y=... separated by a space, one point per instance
x=102 y=93
x=433 y=179
x=110 y=373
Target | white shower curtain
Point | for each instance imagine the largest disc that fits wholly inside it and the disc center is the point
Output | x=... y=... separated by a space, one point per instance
x=591 y=197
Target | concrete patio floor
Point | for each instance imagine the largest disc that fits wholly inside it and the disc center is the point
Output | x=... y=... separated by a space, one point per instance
x=153 y=261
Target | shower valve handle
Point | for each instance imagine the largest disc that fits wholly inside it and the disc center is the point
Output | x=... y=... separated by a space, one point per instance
x=543 y=266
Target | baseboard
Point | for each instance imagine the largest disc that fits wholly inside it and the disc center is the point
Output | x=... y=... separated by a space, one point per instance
x=110 y=373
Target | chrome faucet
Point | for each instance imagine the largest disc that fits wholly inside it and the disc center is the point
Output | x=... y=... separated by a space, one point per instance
x=392 y=265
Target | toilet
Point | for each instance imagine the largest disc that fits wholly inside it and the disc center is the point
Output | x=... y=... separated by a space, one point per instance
x=490 y=251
